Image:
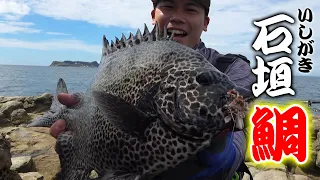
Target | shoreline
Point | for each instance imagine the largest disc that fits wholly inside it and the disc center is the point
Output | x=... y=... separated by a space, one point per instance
x=35 y=146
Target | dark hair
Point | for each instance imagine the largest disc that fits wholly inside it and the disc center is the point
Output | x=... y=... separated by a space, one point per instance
x=206 y=10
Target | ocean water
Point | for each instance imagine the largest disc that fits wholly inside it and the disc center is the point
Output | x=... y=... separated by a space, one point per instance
x=35 y=80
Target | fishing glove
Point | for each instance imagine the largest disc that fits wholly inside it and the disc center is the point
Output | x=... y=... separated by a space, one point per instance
x=216 y=162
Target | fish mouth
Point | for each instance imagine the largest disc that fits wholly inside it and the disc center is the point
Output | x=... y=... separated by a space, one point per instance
x=178 y=32
x=190 y=126
x=236 y=109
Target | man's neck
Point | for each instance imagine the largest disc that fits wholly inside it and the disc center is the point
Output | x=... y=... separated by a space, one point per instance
x=200 y=43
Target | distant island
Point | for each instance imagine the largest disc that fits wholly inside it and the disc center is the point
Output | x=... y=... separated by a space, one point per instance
x=75 y=63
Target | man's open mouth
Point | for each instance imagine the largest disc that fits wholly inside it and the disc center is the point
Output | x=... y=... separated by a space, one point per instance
x=177 y=33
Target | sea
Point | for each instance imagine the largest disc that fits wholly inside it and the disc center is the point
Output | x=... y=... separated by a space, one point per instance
x=16 y=80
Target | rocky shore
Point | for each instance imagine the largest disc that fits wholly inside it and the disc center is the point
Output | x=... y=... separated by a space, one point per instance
x=28 y=153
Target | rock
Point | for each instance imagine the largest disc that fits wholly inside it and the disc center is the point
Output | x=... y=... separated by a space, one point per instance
x=31 y=176
x=316 y=123
x=4 y=99
x=318 y=159
x=253 y=172
x=301 y=177
x=299 y=171
x=19 y=116
x=3 y=119
x=271 y=174
x=5 y=156
x=37 y=143
x=269 y=166
x=22 y=164
x=316 y=143
x=5 y=160
x=20 y=110
x=10 y=175
x=36 y=104
x=8 y=107
x=310 y=167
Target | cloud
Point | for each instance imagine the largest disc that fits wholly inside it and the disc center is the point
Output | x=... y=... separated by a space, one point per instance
x=17 y=27
x=128 y=13
x=231 y=28
x=53 y=44
x=58 y=33
x=13 y=10
x=231 y=21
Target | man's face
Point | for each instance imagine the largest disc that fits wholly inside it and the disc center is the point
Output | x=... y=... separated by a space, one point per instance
x=184 y=15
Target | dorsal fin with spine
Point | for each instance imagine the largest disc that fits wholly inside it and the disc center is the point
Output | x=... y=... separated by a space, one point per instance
x=132 y=40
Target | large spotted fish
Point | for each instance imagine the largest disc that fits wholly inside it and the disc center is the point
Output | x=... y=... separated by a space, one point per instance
x=153 y=104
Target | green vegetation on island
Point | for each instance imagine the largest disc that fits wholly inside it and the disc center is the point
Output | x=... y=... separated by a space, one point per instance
x=75 y=63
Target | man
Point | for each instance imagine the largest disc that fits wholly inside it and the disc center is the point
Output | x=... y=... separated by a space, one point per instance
x=189 y=18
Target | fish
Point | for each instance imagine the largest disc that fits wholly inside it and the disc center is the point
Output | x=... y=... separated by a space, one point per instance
x=153 y=103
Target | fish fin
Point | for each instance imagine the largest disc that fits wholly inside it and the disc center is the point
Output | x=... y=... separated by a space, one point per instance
x=61 y=86
x=110 y=175
x=122 y=114
x=147 y=103
x=51 y=116
x=45 y=120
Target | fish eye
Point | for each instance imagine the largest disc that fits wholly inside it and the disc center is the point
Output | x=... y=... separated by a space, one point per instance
x=205 y=78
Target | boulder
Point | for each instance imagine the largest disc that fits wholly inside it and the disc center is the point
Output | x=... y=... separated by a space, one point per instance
x=318 y=159
x=19 y=116
x=1 y=115
x=253 y=172
x=20 y=110
x=5 y=160
x=8 y=107
x=22 y=164
x=267 y=166
x=5 y=156
x=31 y=176
x=37 y=143
x=271 y=174
x=301 y=177
x=3 y=120
x=36 y=104
x=4 y=99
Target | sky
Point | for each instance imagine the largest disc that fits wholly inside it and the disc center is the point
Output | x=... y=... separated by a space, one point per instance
x=37 y=32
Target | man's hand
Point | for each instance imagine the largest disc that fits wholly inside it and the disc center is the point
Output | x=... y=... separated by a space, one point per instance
x=60 y=125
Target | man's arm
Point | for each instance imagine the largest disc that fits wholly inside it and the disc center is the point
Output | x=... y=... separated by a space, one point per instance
x=241 y=74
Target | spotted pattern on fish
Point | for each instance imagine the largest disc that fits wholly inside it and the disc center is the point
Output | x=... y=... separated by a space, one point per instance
x=153 y=104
